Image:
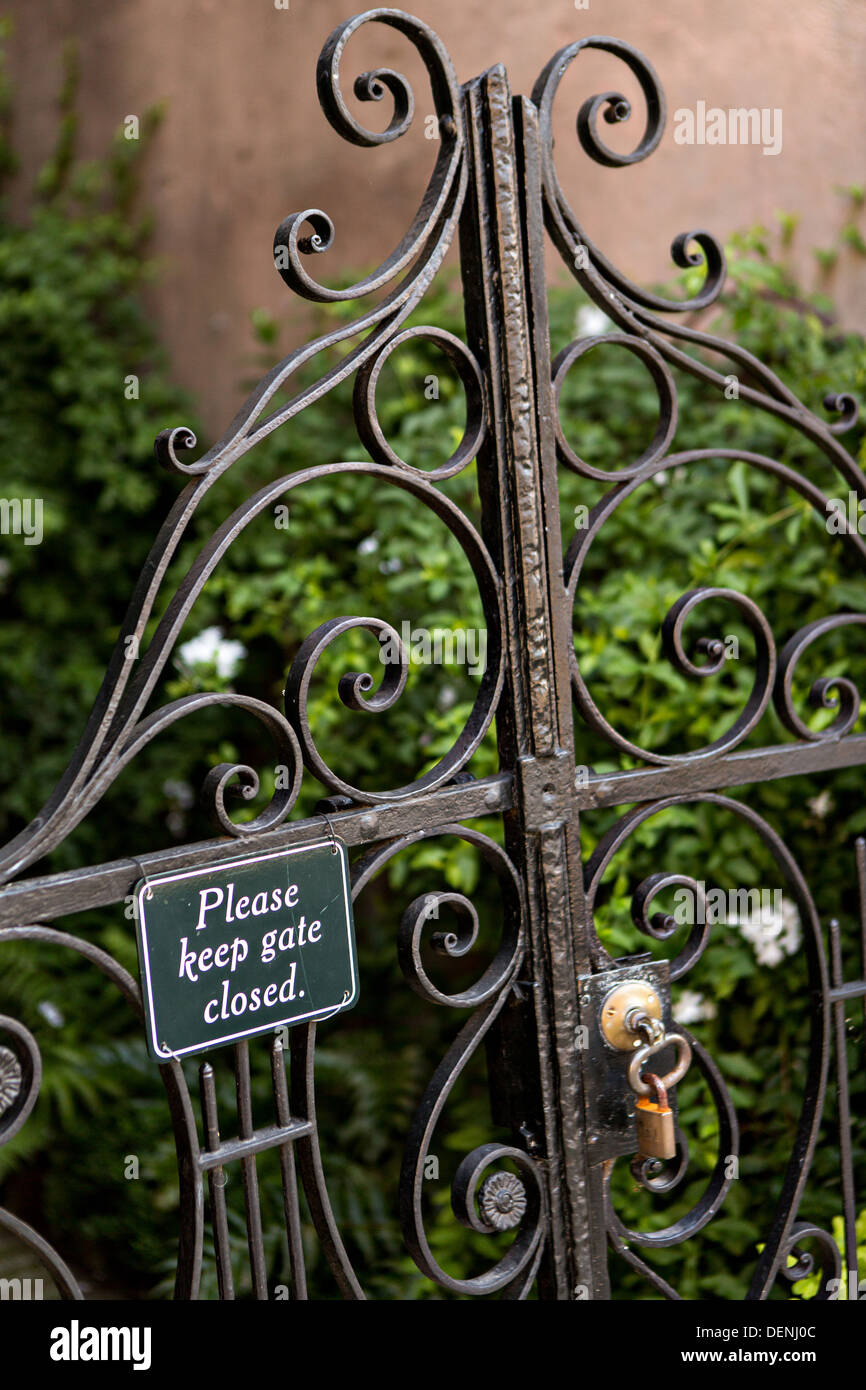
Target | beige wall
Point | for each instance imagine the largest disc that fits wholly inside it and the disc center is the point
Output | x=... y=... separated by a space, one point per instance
x=244 y=141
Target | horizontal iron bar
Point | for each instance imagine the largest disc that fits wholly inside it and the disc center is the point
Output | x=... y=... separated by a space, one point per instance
x=730 y=770
x=855 y=990
x=267 y=1138
x=57 y=895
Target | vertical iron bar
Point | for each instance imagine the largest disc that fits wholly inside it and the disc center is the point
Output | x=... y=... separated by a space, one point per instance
x=187 y=1282
x=287 y=1171
x=570 y=940
x=216 y=1181
x=846 y=1160
x=860 y=853
x=303 y=1102
x=506 y=321
x=249 y=1174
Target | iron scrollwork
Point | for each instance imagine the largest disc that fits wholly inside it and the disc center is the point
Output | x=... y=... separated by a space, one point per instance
x=485 y=1201
x=638 y=328
x=494 y=178
x=119 y=727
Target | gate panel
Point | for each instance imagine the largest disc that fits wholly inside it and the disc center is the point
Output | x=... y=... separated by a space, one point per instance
x=696 y=777
x=557 y=1083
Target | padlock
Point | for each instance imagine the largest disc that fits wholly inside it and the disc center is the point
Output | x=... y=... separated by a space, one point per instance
x=656 y=1137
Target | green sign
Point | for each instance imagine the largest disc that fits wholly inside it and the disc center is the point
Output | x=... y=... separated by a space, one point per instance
x=250 y=946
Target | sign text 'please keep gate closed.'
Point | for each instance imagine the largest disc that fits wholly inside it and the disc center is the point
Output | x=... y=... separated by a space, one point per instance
x=245 y=947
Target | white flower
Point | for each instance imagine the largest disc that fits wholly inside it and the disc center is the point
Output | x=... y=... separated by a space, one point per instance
x=50 y=1013
x=692 y=1007
x=392 y=566
x=590 y=321
x=369 y=545
x=447 y=697
x=179 y=791
x=211 y=648
x=822 y=803
x=774 y=932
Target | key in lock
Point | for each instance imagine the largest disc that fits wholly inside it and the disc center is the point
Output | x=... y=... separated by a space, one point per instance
x=656 y=1136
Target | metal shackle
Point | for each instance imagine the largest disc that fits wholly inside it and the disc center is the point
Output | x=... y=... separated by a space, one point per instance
x=643 y=1054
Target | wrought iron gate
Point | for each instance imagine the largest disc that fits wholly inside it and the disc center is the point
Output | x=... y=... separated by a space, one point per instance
x=557 y=1082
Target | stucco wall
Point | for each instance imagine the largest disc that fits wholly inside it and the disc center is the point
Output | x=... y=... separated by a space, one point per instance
x=244 y=141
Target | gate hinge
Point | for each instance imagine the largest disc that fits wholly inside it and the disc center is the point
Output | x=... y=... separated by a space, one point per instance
x=546 y=788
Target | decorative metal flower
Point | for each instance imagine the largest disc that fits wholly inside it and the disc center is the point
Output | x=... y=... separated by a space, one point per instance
x=502 y=1200
x=10 y=1079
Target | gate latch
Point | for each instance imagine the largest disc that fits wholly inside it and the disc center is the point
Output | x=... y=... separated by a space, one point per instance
x=626 y=1010
x=631 y=1012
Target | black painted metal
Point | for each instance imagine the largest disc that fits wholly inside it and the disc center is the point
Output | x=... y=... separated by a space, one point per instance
x=553 y=1084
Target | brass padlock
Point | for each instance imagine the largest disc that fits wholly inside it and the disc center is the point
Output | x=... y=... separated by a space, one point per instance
x=656 y=1137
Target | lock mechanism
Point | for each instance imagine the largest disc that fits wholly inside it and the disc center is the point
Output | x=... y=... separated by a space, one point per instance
x=628 y=1034
x=622 y=1013
x=631 y=1021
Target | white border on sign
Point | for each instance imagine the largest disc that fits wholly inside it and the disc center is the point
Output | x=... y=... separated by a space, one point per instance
x=185 y=874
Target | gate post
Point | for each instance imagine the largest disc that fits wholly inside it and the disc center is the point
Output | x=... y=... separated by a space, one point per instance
x=506 y=323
